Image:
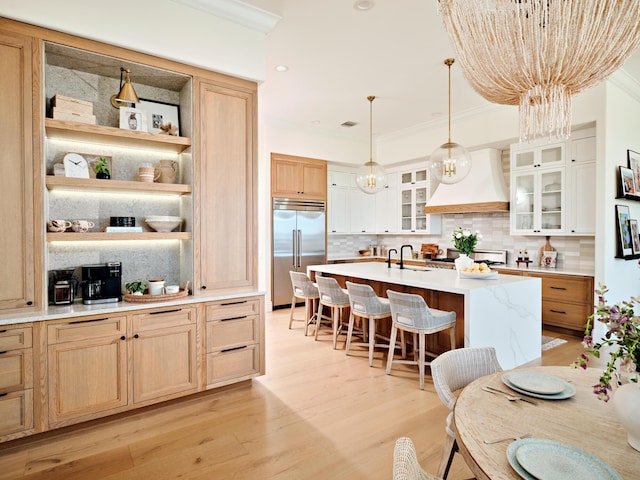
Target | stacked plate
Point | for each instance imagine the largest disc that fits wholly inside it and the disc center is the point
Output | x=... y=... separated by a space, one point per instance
x=542 y=459
x=539 y=385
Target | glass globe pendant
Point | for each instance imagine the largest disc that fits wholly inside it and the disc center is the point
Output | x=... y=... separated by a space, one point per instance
x=450 y=162
x=371 y=177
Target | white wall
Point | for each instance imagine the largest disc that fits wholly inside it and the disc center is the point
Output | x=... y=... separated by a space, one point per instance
x=160 y=27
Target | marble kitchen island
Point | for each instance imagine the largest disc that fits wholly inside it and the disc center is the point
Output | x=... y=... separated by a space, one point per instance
x=505 y=313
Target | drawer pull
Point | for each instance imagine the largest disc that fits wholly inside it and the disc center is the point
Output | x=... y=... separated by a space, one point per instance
x=233 y=318
x=2 y=353
x=558 y=288
x=233 y=303
x=166 y=311
x=87 y=321
x=3 y=331
x=558 y=311
x=232 y=349
x=3 y=394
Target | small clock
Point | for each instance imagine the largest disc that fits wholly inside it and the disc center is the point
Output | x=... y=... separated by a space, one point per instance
x=75 y=166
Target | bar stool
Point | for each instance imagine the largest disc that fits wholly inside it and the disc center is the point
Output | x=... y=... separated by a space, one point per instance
x=410 y=313
x=369 y=307
x=337 y=299
x=306 y=290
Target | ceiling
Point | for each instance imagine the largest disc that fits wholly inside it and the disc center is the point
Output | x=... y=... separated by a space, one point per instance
x=337 y=56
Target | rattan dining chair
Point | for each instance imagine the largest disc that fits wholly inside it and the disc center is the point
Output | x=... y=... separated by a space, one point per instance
x=303 y=289
x=451 y=371
x=366 y=305
x=335 y=298
x=410 y=313
x=405 y=462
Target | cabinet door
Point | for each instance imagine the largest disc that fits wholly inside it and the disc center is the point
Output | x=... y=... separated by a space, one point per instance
x=406 y=208
x=164 y=353
x=386 y=209
x=551 y=201
x=314 y=181
x=20 y=244
x=546 y=155
x=286 y=178
x=87 y=376
x=338 y=210
x=298 y=177
x=225 y=202
x=582 y=219
x=363 y=215
x=16 y=412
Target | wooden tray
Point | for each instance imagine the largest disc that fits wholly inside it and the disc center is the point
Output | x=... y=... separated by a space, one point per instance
x=146 y=298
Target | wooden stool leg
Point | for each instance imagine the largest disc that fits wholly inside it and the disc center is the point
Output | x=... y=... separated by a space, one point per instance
x=336 y=315
x=293 y=306
x=392 y=344
x=452 y=335
x=318 y=317
x=349 y=333
x=372 y=339
x=421 y=359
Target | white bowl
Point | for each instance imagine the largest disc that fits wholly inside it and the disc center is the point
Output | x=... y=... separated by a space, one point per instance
x=162 y=223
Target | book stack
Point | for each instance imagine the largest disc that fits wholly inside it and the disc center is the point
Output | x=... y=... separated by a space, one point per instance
x=72 y=109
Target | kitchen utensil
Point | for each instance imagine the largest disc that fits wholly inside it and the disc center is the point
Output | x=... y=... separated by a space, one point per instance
x=491 y=442
x=508 y=395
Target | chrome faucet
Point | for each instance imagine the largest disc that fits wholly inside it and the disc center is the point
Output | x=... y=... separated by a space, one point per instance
x=389 y=256
x=401 y=250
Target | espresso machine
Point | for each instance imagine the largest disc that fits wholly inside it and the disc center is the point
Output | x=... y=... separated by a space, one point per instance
x=102 y=283
x=63 y=286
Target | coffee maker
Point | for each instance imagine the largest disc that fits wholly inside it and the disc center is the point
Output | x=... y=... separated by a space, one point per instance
x=102 y=283
x=63 y=286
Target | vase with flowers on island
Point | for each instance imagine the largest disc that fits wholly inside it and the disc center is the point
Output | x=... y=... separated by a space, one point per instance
x=621 y=342
x=465 y=241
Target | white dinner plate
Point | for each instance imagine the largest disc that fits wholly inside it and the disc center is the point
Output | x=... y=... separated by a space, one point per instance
x=543 y=459
x=536 y=382
x=479 y=275
x=568 y=392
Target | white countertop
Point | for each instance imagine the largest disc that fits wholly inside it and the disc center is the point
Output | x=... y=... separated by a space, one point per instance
x=443 y=280
x=78 y=309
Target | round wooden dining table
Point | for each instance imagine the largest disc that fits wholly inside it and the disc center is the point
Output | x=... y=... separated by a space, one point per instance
x=582 y=421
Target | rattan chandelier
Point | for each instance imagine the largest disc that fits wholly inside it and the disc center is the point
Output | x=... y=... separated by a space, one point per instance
x=538 y=53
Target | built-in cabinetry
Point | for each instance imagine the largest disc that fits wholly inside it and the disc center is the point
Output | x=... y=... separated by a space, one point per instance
x=338 y=196
x=414 y=193
x=297 y=177
x=362 y=209
x=567 y=300
x=552 y=186
x=16 y=381
x=20 y=255
x=233 y=333
x=386 y=206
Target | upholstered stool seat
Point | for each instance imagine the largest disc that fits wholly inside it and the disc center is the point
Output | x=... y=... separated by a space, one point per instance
x=303 y=289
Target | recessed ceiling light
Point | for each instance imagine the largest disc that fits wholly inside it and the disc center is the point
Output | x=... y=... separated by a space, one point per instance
x=315 y=122
x=281 y=68
x=364 y=4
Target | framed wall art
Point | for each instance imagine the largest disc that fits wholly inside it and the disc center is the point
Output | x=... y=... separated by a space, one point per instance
x=133 y=119
x=160 y=114
x=635 y=237
x=627 y=182
x=625 y=245
x=633 y=159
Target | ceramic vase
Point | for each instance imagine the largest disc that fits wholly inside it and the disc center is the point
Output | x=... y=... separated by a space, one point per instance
x=626 y=403
x=463 y=261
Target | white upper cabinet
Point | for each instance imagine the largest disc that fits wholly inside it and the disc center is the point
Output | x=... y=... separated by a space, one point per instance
x=386 y=202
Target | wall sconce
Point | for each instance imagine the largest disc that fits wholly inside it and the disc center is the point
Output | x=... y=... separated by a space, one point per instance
x=127 y=94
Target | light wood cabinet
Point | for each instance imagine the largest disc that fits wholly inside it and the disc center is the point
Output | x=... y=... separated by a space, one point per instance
x=16 y=382
x=87 y=369
x=234 y=340
x=20 y=255
x=297 y=177
x=226 y=188
x=164 y=353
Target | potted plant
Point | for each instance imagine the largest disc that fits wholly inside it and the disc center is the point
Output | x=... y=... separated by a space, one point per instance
x=465 y=242
x=102 y=169
x=135 y=288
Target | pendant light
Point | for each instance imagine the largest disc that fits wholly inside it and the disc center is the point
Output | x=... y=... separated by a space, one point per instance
x=371 y=177
x=450 y=162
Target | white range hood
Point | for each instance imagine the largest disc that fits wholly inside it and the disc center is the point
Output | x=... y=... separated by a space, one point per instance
x=483 y=190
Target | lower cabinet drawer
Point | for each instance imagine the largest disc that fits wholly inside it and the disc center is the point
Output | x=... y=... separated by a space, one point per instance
x=567 y=315
x=16 y=370
x=14 y=338
x=568 y=288
x=232 y=332
x=16 y=412
x=231 y=365
x=81 y=330
x=232 y=308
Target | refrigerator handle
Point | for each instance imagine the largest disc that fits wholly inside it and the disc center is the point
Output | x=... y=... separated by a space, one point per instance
x=300 y=248
x=294 y=249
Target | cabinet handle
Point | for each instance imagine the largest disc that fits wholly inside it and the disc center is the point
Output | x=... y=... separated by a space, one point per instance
x=233 y=303
x=29 y=302
x=2 y=353
x=3 y=394
x=558 y=311
x=3 y=331
x=203 y=287
x=232 y=349
x=558 y=288
x=166 y=311
x=123 y=337
x=87 y=321
x=136 y=336
x=233 y=318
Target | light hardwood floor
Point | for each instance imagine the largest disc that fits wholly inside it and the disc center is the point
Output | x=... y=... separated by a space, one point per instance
x=316 y=414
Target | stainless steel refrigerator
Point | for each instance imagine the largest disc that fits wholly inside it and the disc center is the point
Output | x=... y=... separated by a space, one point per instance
x=299 y=240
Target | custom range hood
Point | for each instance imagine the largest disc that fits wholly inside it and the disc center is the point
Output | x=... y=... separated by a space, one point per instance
x=483 y=190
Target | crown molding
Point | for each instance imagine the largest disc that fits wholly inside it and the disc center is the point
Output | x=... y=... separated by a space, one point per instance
x=238 y=12
x=626 y=83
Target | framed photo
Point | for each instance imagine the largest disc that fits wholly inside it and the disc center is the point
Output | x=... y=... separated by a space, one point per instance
x=634 y=164
x=625 y=245
x=133 y=119
x=160 y=113
x=627 y=182
x=635 y=237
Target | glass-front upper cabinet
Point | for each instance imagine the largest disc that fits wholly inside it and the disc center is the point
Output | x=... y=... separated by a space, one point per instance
x=414 y=200
x=413 y=177
x=538 y=202
x=546 y=155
